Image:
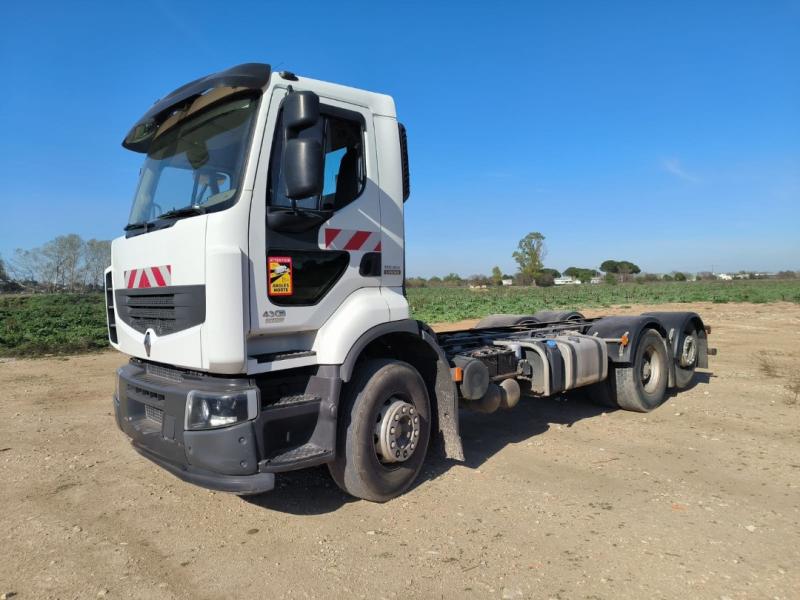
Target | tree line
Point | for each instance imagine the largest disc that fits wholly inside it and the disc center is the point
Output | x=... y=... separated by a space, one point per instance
x=530 y=254
x=65 y=263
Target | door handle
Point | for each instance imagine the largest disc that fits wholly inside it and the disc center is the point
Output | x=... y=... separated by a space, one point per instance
x=370 y=265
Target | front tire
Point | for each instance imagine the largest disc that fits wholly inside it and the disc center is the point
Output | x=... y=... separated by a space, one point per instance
x=384 y=428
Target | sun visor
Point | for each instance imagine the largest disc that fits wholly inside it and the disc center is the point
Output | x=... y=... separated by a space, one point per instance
x=199 y=94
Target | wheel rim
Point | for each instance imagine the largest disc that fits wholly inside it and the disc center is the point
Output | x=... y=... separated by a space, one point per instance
x=652 y=369
x=689 y=351
x=397 y=431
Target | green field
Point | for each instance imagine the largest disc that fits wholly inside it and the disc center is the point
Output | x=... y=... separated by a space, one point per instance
x=52 y=324
x=439 y=305
x=69 y=323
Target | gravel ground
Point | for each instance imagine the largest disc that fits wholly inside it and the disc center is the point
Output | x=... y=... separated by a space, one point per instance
x=557 y=499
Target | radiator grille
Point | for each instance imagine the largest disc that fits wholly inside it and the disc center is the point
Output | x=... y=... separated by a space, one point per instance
x=156 y=312
x=165 y=372
x=154 y=414
x=164 y=310
x=110 y=316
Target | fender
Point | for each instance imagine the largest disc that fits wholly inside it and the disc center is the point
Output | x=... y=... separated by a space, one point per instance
x=678 y=322
x=616 y=326
x=414 y=336
x=446 y=398
x=370 y=335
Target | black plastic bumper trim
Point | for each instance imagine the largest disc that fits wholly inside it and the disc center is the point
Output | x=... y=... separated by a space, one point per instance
x=236 y=484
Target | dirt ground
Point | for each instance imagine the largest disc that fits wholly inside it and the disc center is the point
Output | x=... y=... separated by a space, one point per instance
x=557 y=499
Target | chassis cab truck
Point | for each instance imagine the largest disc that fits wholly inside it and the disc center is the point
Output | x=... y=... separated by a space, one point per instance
x=259 y=292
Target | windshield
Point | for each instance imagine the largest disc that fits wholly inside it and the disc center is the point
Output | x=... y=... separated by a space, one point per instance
x=195 y=162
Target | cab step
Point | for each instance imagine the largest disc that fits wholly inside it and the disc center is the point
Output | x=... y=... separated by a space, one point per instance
x=294 y=458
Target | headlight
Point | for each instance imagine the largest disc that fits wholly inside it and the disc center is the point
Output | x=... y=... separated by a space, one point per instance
x=207 y=410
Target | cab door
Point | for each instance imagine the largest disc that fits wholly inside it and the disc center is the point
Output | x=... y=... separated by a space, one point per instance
x=304 y=268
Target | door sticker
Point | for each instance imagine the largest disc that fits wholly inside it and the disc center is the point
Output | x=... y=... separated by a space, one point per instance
x=280 y=275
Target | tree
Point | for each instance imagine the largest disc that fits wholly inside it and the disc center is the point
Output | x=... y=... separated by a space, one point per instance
x=497 y=276
x=27 y=266
x=623 y=268
x=584 y=275
x=435 y=281
x=523 y=279
x=96 y=257
x=679 y=276
x=452 y=280
x=415 y=282
x=3 y=272
x=610 y=279
x=609 y=266
x=530 y=253
x=546 y=277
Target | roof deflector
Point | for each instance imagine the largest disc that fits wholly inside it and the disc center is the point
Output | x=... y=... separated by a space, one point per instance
x=252 y=76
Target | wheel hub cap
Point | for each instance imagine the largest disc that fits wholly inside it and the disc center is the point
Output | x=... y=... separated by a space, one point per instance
x=397 y=431
x=689 y=351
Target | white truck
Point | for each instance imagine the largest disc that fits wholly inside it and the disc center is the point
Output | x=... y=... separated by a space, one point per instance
x=259 y=289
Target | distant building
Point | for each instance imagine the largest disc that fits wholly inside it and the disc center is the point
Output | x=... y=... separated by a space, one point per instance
x=596 y=280
x=507 y=281
x=724 y=277
x=566 y=281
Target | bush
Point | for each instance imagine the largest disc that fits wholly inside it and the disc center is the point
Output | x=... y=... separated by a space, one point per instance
x=52 y=324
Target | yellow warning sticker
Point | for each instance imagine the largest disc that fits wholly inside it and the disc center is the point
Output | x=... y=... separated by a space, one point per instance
x=280 y=275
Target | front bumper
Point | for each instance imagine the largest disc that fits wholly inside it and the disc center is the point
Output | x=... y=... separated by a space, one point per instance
x=256 y=483
x=150 y=406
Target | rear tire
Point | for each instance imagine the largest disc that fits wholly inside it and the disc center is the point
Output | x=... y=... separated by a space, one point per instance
x=491 y=321
x=642 y=386
x=686 y=361
x=552 y=316
x=359 y=468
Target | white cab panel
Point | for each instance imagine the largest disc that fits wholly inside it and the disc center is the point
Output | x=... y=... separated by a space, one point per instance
x=362 y=310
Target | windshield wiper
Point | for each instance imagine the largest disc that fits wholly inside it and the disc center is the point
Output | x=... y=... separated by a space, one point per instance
x=182 y=212
x=130 y=226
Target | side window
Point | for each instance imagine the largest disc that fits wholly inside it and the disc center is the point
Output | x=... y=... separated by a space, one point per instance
x=342 y=141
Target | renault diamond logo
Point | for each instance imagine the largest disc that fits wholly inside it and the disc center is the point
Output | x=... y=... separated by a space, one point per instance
x=147 y=343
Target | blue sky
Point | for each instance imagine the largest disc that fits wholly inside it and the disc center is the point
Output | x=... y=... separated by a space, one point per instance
x=666 y=133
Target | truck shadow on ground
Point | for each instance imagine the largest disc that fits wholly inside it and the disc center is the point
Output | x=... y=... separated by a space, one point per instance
x=312 y=491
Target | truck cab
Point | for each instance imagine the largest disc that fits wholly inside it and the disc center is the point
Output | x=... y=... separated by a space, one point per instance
x=258 y=288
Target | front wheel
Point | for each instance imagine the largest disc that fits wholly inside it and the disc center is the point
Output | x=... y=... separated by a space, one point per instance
x=384 y=428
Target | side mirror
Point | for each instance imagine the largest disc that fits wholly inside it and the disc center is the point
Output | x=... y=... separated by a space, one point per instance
x=300 y=111
x=303 y=168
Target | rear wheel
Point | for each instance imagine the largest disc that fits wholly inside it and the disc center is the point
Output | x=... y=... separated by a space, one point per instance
x=686 y=362
x=384 y=428
x=642 y=386
x=491 y=321
x=552 y=316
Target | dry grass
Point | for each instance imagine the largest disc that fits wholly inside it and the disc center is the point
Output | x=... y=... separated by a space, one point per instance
x=793 y=387
x=767 y=366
